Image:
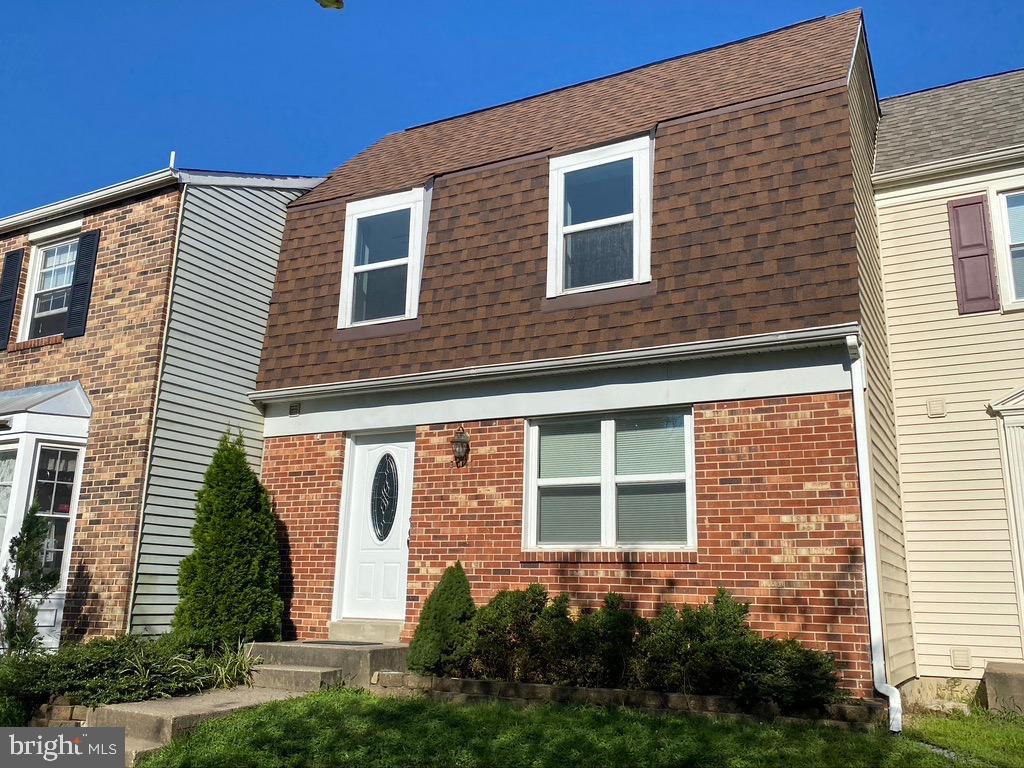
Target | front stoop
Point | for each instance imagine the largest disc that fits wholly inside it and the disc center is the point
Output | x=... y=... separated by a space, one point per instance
x=288 y=670
x=366 y=631
x=322 y=664
x=149 y=725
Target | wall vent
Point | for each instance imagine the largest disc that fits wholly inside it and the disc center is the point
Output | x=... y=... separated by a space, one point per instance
x=936 y=408
x=960 y=658
x=294 y=409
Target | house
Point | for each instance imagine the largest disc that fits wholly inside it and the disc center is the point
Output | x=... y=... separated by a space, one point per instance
x=949 y=180
x=131 y=320
x=624 y=336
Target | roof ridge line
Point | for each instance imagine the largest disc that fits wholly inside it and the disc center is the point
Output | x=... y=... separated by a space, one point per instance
x=627 y=71
x=952 y=84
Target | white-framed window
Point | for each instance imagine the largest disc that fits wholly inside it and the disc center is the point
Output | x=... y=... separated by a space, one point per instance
x=53 y=489
x=48 y=297
x=609 y=482
x=8 y=461
x=1011 y=206
x=599 y=218
x=383 y=257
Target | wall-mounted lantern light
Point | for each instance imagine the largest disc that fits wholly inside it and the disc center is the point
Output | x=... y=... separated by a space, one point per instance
x=460 y=447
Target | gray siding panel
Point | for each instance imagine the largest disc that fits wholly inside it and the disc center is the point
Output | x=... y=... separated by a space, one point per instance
x=224 y=275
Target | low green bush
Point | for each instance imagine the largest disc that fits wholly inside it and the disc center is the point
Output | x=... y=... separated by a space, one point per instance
x=12 y=713
x=129 y=668
x=501 y=643
x=521 y=636
x=438 y=647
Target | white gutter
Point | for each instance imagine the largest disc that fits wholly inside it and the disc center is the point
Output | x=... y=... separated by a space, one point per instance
x=764 y=342
x=867 y=517
x=939 y=168
x=92 y=199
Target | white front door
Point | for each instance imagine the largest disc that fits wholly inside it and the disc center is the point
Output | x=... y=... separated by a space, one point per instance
x=378 y=503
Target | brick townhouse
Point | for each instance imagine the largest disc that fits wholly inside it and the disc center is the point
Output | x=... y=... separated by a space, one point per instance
x=622 y=336
x=130 y=324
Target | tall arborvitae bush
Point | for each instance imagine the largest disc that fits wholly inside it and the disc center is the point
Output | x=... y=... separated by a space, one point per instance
x=229 y=587
x=26 y=581
x=439 y=644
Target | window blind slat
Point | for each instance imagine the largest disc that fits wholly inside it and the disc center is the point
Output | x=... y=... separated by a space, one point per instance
x=1015 y=214
x=570 y=515
x=651 y=513
x=570 y=450
x=648 y=444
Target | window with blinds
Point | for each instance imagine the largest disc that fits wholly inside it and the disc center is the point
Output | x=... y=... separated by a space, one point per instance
x=620 y=481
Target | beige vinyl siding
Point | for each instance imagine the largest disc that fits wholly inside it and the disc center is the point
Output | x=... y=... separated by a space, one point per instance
x=897 y=624
x=963 y=568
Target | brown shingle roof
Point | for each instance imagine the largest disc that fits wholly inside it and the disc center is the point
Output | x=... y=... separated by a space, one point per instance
x=602 y=110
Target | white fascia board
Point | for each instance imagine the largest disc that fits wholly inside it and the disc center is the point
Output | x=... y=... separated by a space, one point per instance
x=738 y=345
x=982 y=161
x=258 y=180
x=79 y=203
x=775 y=373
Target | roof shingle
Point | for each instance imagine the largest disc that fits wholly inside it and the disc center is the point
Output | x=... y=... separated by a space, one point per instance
x=603 y=110
x=952 y=121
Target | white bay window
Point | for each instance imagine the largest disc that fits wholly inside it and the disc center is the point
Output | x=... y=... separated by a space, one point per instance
x=611 y=482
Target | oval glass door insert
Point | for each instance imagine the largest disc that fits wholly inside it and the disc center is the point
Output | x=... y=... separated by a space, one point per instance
x=384 y=497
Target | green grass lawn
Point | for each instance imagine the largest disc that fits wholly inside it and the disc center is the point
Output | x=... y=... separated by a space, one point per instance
x=341 y=728
x=985 y=737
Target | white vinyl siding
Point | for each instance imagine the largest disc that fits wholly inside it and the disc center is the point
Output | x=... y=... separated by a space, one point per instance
x=224 y=276
x=894 y=581
x=963 y=568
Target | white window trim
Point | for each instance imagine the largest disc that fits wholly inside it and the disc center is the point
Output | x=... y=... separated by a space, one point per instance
x=28 y=447
x=641 y=151
x=67 y=234
x=608 y=481
x=1001 y=236
x=418 y=202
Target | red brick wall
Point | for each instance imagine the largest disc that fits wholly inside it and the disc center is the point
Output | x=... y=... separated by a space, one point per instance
x=117 y=362
x=777 y=523
x=303 y=475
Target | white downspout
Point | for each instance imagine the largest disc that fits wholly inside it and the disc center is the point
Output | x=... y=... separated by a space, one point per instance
x=867 y=517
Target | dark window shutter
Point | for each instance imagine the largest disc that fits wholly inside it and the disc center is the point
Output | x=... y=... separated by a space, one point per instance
x=973 y=266
x=81 y=288
x=9 y=279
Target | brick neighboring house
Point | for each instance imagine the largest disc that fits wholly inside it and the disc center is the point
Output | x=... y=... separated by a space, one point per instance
x=652 y=304
x=130 y=325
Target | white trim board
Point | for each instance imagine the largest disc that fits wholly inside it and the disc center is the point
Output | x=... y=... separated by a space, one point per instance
x=769 y=374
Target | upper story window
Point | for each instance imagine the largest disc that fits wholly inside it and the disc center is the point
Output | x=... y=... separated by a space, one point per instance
x=1015 y=235
x=599 y=232
x=51 y=289
x=384 y=242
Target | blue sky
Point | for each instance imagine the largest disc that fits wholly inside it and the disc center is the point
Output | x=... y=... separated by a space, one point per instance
x=100 y=91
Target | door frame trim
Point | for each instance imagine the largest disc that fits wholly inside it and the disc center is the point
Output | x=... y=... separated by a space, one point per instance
x=348 y=483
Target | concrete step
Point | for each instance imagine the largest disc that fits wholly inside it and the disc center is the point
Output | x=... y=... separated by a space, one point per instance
x=288 y=677
x=161 y=720
x=366 y=631
x=354 y=662
x=136 y=749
